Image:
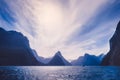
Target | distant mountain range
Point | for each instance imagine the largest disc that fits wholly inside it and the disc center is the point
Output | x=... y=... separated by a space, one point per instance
x=15 y=50
x=44 y=60
x=88 y=60
x=113 y=56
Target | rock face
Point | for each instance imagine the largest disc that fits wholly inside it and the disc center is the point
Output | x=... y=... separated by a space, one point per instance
x=15 y=49
x=113 y=56
x=86 y=60
x=58 y=60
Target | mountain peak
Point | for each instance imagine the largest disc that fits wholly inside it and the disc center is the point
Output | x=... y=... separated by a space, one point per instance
x=58 y=59
x=86 y=54
x=1 y=29
x=58 y=53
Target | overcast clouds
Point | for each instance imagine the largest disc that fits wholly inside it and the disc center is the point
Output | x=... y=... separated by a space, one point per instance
x=74 y=27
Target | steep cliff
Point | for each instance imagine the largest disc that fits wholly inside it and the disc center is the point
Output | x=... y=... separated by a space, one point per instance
x=15 y=49
x=113 y=56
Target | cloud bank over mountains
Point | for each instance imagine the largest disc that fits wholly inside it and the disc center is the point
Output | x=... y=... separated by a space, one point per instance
x=71 y=26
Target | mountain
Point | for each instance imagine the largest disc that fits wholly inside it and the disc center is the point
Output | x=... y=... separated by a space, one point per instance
x=101 y=56
x=15 y=49
x=87 y=60
x=58 y=60
x=44 y=60
x=113 y=56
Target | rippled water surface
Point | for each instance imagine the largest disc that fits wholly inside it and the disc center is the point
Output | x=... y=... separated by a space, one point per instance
x=59 y=73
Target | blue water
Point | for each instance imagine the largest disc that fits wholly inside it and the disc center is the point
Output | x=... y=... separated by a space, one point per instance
x=59 y=73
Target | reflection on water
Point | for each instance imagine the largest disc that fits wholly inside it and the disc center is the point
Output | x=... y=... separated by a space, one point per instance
x=59 y=73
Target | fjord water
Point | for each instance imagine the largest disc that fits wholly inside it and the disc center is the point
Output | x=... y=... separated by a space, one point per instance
x=59 y=73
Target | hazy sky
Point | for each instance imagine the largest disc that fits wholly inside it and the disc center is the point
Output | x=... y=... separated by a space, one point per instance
x=74 y=27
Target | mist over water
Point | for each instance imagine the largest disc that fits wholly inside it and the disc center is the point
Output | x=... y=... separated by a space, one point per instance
x=59 y=73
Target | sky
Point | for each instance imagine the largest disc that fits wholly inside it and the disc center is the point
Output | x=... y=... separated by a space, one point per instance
x=74 y=27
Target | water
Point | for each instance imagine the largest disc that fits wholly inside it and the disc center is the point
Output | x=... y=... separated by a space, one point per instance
x=59 y=73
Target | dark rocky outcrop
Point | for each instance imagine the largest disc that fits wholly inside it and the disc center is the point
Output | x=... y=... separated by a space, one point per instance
x=15 y=49
x=58 y=60
x=113 y=56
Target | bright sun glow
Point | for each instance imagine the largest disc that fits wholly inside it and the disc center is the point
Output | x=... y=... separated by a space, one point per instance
x=51 y=15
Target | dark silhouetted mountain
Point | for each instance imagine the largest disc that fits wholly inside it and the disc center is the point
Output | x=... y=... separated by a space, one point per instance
x=58 y=60
x=87 y=60
x=15 y=49
x=113 y=56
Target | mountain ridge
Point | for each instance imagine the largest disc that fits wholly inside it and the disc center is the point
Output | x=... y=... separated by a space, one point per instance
x=86 y=60
x=15 y=49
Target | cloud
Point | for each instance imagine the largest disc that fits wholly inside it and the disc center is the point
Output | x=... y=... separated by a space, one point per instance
x=99 y=28
x=71 y=26
x=5 y=13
